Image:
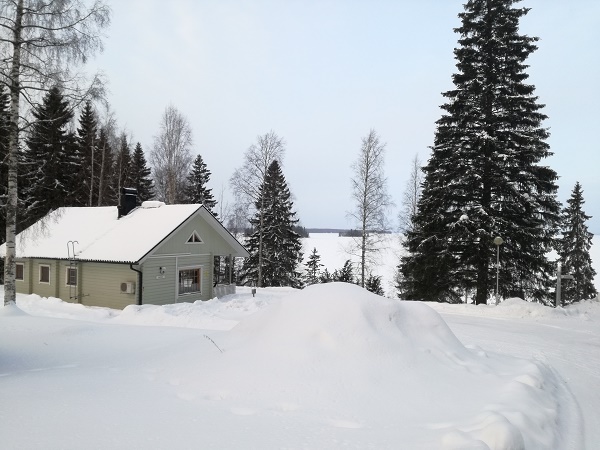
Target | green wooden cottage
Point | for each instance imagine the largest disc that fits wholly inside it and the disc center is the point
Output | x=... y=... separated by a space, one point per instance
x=116 y=256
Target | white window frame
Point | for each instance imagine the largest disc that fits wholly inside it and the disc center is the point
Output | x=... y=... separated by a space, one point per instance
x=193 y=237
x=40 y=266
x=189 y=268
x=22 y=271
x=67 y=276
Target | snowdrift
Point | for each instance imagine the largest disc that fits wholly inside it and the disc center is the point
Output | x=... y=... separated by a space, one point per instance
x=331 y=366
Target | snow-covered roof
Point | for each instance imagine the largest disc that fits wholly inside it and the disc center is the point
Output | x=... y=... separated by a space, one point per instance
x=101 y=236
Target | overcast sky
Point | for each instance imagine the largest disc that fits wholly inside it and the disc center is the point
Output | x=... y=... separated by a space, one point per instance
x=322 y=73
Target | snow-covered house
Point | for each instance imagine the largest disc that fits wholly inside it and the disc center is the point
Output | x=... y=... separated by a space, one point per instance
x=117 y=256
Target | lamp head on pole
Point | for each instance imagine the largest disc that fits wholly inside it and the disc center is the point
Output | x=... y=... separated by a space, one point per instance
x=498 y=240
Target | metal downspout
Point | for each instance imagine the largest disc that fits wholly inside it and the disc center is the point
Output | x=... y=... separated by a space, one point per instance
x=140 y=283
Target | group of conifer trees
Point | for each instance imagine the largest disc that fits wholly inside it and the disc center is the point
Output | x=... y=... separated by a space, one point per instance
x=486 y=179
x=79 y=162
x=72 y=163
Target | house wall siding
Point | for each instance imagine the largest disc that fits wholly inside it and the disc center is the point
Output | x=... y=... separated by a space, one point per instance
x=162 y=288
x=24 y=286
x=159 y=289
x=101 y=285
x=43 y=289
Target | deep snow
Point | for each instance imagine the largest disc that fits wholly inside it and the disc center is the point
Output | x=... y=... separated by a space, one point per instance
x=331 y=366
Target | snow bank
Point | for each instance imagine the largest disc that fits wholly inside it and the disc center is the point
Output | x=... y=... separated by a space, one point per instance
x=518 y=308
x=330 y=366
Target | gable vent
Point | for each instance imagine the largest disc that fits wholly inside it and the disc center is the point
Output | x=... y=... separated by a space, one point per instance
x=194 y=239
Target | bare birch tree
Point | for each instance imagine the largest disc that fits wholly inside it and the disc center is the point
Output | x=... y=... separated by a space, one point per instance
x=171 y=156
x=41 y=43
x=411 y=196
x=372 y=202
x=248 y=180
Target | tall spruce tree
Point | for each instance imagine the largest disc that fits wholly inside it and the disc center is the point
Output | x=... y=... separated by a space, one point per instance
x=484 y=178
x=575 y=250
x=281 y=246
x=91 y=158
x=141 y=175
x=196 y=190
x=51 y=159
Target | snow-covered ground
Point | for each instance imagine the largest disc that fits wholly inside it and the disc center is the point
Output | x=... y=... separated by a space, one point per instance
x=328 y=367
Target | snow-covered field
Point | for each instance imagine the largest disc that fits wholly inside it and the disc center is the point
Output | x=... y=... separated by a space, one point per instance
x=328 y=367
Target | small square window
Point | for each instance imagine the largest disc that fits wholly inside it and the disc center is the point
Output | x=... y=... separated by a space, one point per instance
x=71 y=276
x=20 y=272
x=44 y=274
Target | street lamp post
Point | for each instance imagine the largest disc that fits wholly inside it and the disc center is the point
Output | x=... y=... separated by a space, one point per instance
x=498 y=241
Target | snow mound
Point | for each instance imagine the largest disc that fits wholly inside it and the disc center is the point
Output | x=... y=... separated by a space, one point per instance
x=340 y=319
x=325 y=347
x=55 y=307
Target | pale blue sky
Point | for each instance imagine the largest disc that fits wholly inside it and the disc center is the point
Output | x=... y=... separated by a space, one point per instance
x=322 y=73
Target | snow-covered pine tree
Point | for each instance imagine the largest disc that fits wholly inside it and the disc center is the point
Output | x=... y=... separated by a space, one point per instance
x=373 y=284
x=313 y=268
x=325 y=277
x=91 y=158
x=51 y=160
x=281 y=245
x=575 y=250
x=484 y=178
x=345 y=274
x=141 y=175
x=196 y=190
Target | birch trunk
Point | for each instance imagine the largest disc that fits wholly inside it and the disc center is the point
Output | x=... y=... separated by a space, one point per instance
x=10 y=292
